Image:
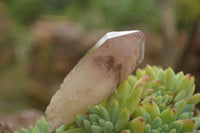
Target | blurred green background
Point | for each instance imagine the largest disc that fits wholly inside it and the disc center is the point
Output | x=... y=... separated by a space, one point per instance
x=41 y=41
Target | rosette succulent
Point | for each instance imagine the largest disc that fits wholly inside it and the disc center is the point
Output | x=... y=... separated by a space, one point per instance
x=151 y=101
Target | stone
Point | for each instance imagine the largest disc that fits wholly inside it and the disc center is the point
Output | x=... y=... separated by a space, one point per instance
x=21 y=119
x=4 y=128
x=108 y=63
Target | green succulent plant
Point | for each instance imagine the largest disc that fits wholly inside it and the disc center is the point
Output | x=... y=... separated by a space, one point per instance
x=41 y=126
x=152 y=101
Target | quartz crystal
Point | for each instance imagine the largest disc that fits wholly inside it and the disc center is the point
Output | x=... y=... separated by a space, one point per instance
x=112 y=59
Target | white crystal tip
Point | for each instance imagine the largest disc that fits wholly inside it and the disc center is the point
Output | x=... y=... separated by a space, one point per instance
x=125 y=36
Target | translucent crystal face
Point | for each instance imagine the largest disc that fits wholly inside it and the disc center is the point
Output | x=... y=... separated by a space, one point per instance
x=112 y=59
x=113 y=35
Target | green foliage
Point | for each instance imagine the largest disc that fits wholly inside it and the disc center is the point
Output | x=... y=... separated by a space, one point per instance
x=41 y=126
x=186 y=11
x=126 y=13
x=115 y=14
x=152 y=101
x=103 y=13
x=161 y=102
x=25 y=11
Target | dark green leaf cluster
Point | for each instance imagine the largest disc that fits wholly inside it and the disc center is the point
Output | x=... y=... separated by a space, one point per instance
x=152 y=101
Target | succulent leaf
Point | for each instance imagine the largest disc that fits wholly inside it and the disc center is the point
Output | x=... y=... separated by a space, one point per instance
x=152 y=101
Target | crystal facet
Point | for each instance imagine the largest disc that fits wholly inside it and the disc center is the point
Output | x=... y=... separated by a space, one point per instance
x=96 y=75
